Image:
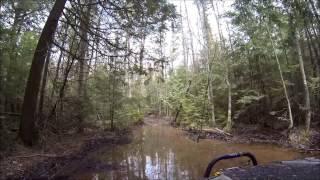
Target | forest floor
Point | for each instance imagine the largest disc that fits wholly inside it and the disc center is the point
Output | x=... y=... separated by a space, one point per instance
x=51 y=160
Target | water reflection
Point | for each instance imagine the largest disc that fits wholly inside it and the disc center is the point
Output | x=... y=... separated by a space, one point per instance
x=162 y=152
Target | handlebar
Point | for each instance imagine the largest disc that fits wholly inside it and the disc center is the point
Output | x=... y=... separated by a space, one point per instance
x=229 y=156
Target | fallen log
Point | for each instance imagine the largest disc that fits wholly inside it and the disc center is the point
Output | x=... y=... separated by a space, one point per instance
x=216 y=130
x=4 y=114
x=41 y=155
x=308 y=150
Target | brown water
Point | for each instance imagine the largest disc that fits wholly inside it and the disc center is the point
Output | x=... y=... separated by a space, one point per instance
x=162 y=152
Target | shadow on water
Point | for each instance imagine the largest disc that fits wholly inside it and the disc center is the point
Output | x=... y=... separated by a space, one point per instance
x=162 y=152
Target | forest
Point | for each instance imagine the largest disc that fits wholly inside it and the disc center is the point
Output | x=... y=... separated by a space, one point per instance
x=247 y=68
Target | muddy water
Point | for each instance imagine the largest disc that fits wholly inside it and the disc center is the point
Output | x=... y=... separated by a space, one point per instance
x=162 y=152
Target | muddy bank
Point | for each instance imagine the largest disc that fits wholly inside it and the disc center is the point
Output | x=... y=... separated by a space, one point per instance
x=236 y=137
x=253 y=135
x=60 y=158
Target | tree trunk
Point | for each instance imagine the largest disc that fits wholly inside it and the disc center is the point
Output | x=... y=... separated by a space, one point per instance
x=141 y=53
x=209 y=58
x=191 y=36
x=210 y=98
x=314 y=48
x=1 y=84
x=229 y=120
x=305 y=84
x=180 y=107
x=314 y=63
x=69 y=64
x=227 y=66
x=44 y=84
x=184 y=48
x=60 y=59
x=112 y=108
x=282 y=81
x=10 y=81
x=83 y=65
x=28 y=131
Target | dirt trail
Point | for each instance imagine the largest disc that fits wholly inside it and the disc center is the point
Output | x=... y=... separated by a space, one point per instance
x=153 y=120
